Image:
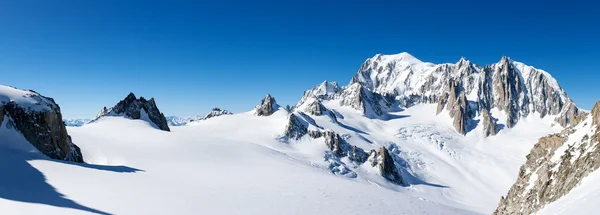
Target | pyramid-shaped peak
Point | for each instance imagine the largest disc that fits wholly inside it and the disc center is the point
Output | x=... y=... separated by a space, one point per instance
x=130 y=96
x=267 y=106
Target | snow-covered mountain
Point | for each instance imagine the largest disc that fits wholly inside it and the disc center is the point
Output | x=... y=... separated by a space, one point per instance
x=506 y=92
x=404 y=136
x=75 y=122
x=134 y=108
x=32 y=122
x=556 y=165
x=181 y=121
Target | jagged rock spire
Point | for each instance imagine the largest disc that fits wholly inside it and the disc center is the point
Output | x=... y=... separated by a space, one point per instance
x=135 y=108
x=267 y=106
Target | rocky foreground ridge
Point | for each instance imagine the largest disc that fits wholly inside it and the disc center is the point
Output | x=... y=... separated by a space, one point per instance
x=39 y=120
x=555 y=165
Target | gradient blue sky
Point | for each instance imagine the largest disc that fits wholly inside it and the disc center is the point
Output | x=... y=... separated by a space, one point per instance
x=195 y=55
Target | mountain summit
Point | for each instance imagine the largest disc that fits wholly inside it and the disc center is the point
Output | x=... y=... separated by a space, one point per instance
x=502 y=93
x=134 y=108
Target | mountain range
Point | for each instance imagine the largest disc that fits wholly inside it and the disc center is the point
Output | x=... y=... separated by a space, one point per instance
x=403 y=135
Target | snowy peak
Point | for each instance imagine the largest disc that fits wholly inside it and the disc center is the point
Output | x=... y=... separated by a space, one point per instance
x=509 y=86
x=403 y=57
x=324 y=91
x=134 y=108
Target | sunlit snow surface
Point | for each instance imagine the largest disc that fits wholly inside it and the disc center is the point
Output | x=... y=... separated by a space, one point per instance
x=235 y=164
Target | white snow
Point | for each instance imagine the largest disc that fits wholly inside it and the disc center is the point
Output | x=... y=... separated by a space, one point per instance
x=228 y=165
x=25 y=99
x=582 y=199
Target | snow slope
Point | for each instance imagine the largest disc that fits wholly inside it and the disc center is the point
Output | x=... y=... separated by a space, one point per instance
x=583 y=199
x=135 y=169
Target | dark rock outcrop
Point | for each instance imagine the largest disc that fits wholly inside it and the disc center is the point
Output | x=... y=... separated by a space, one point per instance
x=387 y=166
x=215 y=112
x=315 y=108
x=42 y=127
x=295 y=128
x=134 y=108
x=456 y=103
x=267 y=106
x=489 y=123
x=369 y=103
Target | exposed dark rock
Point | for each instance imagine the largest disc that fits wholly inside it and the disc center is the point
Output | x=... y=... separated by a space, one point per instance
x=456 y=103
x=267 y=106
x=134 y=108
x=316 y=108
x=387 y=166
x=489 y=123
x=215 y=112
x=369 y=103
x=567 y=116
x=295 y=128
x=44 y=128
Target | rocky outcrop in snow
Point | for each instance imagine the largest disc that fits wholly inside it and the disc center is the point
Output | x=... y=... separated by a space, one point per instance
x=456 y=103
x=39 y=120
x=555 y=165
x=215 y=112
x=295 y=128
x=489 y=123
x=315 y=108
x=324 y=91
x=267 y=106
x=387 y=166
x=340 y=148
x=134 y=108
x=369 y=103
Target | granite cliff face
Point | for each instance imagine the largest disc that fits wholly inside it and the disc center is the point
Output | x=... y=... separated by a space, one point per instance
x=39 y=120
x=555 y=165
x=134 y=108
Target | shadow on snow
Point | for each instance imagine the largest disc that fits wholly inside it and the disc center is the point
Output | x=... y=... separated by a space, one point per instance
x=22 y=182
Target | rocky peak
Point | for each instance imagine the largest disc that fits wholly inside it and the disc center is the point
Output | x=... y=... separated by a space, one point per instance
x=39 y=120
x=134 y=108
x=267 y=106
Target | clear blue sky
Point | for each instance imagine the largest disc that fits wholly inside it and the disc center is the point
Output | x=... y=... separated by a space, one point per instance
x=195 y=55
